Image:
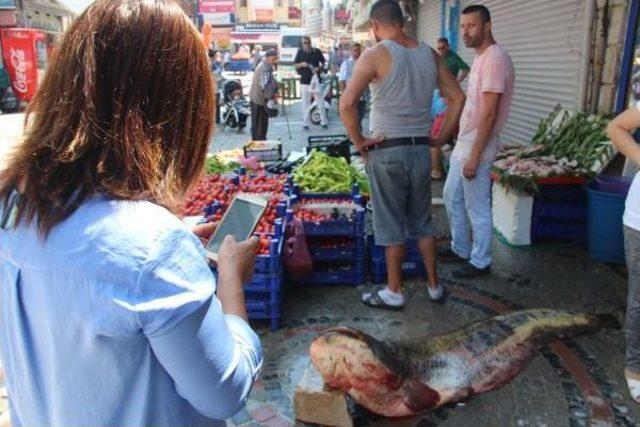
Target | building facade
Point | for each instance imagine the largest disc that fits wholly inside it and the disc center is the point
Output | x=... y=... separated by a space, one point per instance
x=249 y=22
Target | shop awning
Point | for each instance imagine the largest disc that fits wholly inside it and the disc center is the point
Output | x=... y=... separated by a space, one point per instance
x=259 y=38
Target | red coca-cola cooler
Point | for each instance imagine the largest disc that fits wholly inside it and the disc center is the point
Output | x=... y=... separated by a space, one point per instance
x=24 y=51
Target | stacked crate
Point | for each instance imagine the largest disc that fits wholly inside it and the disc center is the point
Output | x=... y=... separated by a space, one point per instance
x=413 y=266
x=559 y=213
x=263 y=296
x=337 y=246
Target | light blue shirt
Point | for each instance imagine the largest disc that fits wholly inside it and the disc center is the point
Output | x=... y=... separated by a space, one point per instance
x=112 y=321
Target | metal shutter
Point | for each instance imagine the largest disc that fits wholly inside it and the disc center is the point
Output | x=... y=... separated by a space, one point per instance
x=429 y=21
x=544 y=40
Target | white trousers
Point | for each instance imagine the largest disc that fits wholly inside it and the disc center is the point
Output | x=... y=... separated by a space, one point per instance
x=469 y=201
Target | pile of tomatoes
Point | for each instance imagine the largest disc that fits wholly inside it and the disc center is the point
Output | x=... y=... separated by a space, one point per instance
x=210 y=188
x=306 y=215
x=263 y=183
x=216 y=188
x=315 y=210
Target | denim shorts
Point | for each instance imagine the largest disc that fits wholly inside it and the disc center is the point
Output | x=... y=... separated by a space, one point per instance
x=400 y=186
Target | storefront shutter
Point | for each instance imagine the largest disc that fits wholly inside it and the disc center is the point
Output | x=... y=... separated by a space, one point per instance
x=544 y=39
x=429 y=19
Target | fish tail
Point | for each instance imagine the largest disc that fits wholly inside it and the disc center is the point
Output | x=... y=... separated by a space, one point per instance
x=607 y=320
x=544 y=326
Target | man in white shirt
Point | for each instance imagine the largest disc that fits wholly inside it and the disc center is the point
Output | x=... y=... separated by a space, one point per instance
x=346 y=71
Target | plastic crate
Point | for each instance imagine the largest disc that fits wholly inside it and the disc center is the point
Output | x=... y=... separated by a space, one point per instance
x=272 y=154
x=377 y=252
x=271 y=263
x=561 y=194
x=558 y=230
x=378 y=270
x=333 y=145
x=265 y=283
x=264 y=310
x=348 y=252
x=353 y=228
x=558 y=211
x=337 y=275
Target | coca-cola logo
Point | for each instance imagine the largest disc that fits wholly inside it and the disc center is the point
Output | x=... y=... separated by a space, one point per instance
x=19 y=63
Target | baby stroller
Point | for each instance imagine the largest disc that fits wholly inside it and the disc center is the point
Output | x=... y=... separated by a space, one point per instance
x=234 y=109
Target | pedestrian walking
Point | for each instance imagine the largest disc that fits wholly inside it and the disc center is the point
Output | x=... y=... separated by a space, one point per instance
x=307 y=60
x=404 y=74
x=110 y=312
x=620 y=131
x=346 y=71
x=467 y=191
x=263 y=88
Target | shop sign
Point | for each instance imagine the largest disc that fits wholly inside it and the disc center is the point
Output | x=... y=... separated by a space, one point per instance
x=215 y=6
x=258 y=27
x=295 y=13
x=18 y=50
x=263 y=10
x=218 y=19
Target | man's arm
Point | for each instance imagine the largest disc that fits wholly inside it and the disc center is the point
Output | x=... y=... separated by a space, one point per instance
x=364 y=72
x=462 y=75
x=487 y=119
x=620 y=129
x=450 y=90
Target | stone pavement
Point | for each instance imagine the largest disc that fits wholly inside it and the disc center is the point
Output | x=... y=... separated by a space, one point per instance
x=576 y=382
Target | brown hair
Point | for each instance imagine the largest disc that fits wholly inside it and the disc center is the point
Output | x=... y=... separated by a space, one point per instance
x=125 y=110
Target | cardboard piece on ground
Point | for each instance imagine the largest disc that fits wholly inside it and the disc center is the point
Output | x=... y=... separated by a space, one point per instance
x=316 y=404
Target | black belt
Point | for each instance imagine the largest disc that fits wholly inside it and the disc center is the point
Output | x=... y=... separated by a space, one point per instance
x=399 y=142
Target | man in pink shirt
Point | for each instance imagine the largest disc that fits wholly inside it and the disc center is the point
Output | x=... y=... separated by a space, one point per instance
x=467 y=192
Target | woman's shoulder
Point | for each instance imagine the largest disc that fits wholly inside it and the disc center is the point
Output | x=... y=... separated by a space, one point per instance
x=128 y=231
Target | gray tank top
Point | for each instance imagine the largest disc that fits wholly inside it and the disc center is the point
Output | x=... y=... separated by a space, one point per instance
x=401 y=103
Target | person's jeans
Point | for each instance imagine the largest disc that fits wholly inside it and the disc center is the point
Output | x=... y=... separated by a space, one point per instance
x=632 y=321
x=470 y=201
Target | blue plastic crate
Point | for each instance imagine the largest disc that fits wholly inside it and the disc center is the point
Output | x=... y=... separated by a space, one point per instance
x=264 y=310
x=265 y=283
x=409 y=269
x=563 y=194
x=272 y=263
x=559 y=211
x=337 y=275
x=354 y=250
x=348 y=228
x=377 y=252
x=558 y=230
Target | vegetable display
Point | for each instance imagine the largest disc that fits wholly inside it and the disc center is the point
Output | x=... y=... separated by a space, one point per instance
x=322 y=173
x=574 y=136
x=566 y=144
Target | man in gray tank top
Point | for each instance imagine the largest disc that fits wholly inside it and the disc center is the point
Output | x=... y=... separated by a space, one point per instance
x=403 y=74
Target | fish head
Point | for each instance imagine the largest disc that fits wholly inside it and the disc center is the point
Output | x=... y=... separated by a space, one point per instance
x=369 y=371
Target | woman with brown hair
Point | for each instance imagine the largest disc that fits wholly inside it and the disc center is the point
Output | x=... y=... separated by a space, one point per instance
x=109 y=314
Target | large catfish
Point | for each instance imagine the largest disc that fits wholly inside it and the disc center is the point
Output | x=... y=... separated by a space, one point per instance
x=403 y=379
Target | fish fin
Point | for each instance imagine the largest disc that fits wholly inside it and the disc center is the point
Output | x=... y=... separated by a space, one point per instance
x=419 y=397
